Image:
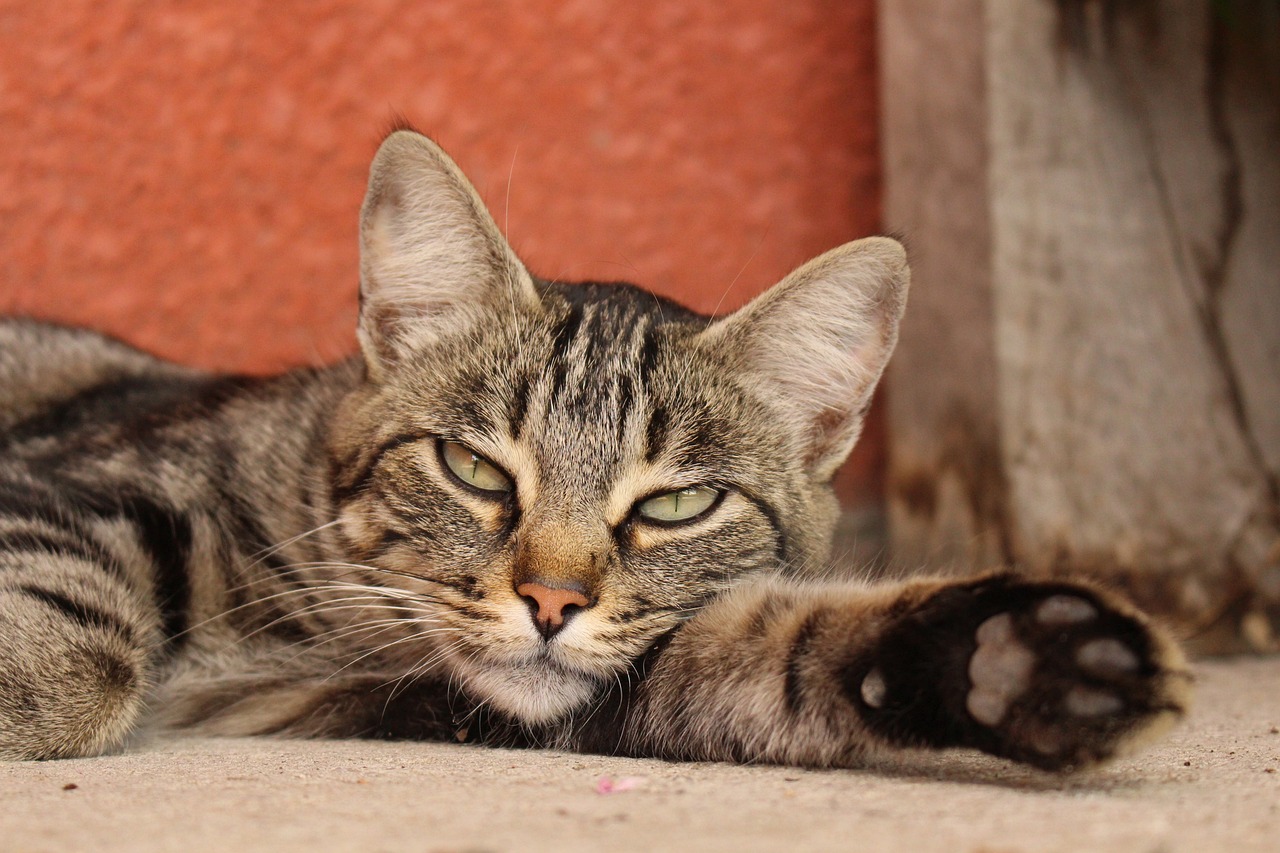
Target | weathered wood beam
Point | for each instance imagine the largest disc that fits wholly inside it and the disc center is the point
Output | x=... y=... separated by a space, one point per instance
x=1089 y=376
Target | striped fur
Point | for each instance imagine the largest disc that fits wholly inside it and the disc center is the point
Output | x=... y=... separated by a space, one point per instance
x=294 y=556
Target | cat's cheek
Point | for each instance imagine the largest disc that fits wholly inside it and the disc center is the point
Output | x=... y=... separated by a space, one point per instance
x=532 y=694
x=359 y=527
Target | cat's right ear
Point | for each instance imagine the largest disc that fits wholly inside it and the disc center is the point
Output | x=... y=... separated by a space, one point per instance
x=432 y=260
x=819 y=341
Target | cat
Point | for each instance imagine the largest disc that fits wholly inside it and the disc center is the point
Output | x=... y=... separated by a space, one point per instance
x=527 y=513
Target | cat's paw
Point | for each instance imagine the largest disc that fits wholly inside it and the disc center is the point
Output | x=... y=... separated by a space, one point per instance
x=1057 y=675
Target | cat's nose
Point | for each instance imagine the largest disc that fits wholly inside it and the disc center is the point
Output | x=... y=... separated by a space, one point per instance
x=550 y=606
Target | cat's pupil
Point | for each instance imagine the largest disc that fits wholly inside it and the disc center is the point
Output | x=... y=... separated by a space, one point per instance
x=473 y=469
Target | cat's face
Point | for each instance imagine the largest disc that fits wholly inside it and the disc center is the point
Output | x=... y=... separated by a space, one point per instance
x=560 y=474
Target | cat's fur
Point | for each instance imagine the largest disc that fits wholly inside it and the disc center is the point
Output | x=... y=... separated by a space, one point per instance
x=291 y=555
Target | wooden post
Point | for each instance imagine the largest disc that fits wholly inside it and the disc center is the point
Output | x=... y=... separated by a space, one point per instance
x=1089 y=375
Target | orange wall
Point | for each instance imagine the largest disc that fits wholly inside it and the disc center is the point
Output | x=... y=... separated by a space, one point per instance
x=186 y=175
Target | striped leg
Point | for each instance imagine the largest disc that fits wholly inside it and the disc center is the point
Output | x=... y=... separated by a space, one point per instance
x=75 y=638
x=1057 y=675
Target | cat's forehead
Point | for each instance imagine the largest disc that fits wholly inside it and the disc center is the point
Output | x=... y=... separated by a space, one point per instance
x=613 y=312
x=600 y=342
x=611 y=365
x=605 y=383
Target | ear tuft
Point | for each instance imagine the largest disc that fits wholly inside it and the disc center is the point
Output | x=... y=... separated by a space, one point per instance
x=821 y=339
x=432 y=260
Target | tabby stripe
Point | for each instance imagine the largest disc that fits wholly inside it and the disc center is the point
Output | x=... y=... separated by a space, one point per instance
x=655 y=434
x=388 y=540
x=163 y=533
x=562 y=343
x=641 y=612
x=166 y=535
x=83 y=614
x=558 y=373
x=771 y=514
x=60 y=545
x=411 y=518
x=163 y=399
x=626 y=393
x=765 y=612
x=478 y=615
x=594 y=337
x=649 y=353
x=466 y=586
x=519 y=408
x=793 y=688
x=340 y=494
x=565 y=334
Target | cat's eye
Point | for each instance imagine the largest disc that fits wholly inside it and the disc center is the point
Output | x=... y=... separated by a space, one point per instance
x=680 y=505
x=473 y=469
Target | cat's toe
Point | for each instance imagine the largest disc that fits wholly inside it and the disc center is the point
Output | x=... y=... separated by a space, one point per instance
x=1107 y=657
x=1064 y=609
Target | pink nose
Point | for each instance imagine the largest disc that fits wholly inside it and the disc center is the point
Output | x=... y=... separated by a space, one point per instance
x=551 y=606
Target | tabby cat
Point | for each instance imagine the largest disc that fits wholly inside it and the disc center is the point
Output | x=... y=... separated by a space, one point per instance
x=535 y=513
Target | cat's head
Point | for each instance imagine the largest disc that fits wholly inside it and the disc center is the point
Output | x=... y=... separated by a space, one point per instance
x=573 y=469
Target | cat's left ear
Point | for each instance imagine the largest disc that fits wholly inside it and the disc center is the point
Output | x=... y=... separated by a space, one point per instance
x=820 y=339
x=432 y=260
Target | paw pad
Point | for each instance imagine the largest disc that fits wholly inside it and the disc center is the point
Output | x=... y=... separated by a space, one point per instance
x=1107 y=657
x=1086 y=702
x=1064 y=610
x=873 y=688
x=999 y=670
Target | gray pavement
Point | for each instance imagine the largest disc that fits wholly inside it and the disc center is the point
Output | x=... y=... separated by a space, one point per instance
x=1214 y=784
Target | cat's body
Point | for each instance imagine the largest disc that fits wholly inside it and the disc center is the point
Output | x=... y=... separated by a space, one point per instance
x=532 y=513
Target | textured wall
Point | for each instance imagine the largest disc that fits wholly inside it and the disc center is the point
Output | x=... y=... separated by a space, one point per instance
x=187 y=175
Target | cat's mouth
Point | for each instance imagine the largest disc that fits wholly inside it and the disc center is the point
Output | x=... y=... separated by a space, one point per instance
x=540 y=681
x=537 y=688
x=546 y=657
x=562 y=662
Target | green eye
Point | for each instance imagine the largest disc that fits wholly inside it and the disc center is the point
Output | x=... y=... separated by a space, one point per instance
x=680 y=505
x=473 y=469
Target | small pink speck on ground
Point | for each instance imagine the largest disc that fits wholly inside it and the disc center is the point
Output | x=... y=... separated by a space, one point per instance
x=605 y=785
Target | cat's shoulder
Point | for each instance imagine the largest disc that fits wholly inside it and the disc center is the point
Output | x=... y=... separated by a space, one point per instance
x=43 y=365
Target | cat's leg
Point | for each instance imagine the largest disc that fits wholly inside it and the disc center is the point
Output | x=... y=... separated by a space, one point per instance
x=1057 y=675
x=75 y=638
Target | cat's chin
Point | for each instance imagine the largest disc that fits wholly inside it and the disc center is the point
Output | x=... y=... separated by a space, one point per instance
x=533 y=693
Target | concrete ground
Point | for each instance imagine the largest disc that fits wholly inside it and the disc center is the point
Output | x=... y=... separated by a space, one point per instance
x=1213 y=785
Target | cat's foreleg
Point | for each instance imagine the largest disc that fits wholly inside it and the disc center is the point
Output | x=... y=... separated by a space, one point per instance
x=76 y=641
x=1057 y=675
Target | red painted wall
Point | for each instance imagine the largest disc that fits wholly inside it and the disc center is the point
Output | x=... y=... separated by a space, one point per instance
x=186 y=175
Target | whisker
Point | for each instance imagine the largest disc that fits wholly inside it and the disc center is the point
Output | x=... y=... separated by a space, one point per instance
x=374 y=593
x=724 y=295
x=280 y=546
x=310 y=610
x=372 y=652
x=378 y=627
x=419 y=669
